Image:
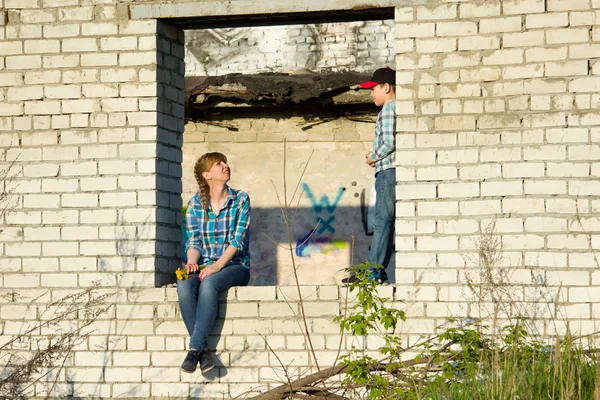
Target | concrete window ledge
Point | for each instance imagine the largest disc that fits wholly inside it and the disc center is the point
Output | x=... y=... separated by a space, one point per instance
x=206 y=9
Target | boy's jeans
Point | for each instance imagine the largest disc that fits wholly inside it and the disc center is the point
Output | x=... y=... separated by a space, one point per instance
x=198 y=301
x=382 y=244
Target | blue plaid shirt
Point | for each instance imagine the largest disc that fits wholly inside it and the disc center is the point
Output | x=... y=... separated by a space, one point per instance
x=212 y=235
x=384 y=142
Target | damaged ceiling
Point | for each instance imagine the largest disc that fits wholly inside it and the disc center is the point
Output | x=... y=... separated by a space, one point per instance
x=315 y=97
x=276 y=90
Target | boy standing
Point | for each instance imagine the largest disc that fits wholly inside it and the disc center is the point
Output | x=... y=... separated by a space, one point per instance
x=383 y=159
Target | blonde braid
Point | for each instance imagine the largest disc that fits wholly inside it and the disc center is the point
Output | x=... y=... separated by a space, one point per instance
x=203 y=164
x=202 y=184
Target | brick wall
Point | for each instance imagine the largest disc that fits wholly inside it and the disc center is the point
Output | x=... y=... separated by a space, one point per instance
x=167 y=166
x=91 y=122
x=136 y=348
x=504 y=128
x=351 y=46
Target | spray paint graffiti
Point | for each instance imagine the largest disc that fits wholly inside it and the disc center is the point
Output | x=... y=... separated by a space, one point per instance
x=318 y=206
x=308 y=245
x=316 y=240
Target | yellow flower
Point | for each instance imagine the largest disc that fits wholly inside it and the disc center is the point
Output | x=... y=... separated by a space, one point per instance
x=181 y=274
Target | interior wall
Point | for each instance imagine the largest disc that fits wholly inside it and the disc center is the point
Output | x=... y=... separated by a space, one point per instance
x=350 y=46
x=333 y=193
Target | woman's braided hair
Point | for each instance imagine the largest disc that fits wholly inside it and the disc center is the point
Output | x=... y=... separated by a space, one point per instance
x=204 y=164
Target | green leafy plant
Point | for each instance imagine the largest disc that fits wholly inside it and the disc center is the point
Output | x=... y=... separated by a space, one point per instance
x=464 y=361
x=370 y=311
x=371 y=315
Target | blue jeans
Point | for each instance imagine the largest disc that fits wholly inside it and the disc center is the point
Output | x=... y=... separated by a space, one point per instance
x=385 y=207
x=198 y=301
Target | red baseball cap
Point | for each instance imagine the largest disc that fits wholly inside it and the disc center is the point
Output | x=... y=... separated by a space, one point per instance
x=380 y=76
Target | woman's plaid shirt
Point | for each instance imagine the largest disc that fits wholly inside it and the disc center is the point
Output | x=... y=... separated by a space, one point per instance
x=211 y=236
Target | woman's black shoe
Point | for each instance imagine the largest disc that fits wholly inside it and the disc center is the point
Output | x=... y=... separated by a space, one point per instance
x=191 y=361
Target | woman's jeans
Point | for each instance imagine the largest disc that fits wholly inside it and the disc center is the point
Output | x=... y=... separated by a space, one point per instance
x=198 y=300
x=382 y=244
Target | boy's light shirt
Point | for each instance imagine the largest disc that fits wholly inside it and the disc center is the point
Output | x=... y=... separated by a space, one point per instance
x=384 y=142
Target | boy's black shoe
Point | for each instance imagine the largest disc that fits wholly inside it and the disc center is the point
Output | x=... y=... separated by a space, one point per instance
x=206 y=361
x=349 y=280
x=191 y=361
x=379 y=278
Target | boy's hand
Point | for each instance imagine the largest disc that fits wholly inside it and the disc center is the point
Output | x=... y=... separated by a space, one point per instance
x=369 y=162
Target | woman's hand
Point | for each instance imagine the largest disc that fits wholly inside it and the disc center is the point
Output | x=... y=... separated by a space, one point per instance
x=191 y=268
x=208 y=271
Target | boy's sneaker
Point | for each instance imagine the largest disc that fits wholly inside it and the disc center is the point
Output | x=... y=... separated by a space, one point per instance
x=349 y=280
x=380 y=277
x=206 y=361
x=191 y=361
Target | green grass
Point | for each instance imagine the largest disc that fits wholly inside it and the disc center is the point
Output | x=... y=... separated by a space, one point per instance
x=462 y=363
x=521 y=369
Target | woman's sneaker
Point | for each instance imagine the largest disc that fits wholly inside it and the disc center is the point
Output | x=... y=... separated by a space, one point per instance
x=191 y=361
x=206 y=362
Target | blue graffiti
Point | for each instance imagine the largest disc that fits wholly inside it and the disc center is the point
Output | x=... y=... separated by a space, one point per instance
x=318 y=206
x=325 y=224
x=303 y=243
x=312 y=242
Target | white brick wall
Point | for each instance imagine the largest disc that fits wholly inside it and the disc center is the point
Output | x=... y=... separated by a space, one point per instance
x=518 y=126
x=353 y=46
x=55 y=96
x=129 y=352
